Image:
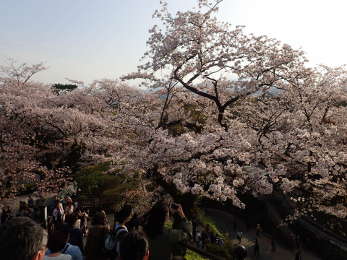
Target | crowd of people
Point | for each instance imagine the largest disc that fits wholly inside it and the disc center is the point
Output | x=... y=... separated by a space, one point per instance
x=71 y=234
x=68 y=232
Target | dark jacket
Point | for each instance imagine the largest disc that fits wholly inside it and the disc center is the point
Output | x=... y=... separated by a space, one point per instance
x=95 y=243
x=76 y=237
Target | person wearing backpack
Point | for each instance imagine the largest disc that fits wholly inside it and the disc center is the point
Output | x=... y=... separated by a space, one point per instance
x=113 y=238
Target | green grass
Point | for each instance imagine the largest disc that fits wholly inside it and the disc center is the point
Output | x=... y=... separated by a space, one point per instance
x=229 y=244
x=208 y=221
x=191 y=255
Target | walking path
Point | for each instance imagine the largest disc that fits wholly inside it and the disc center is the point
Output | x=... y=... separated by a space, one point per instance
x=224 y=221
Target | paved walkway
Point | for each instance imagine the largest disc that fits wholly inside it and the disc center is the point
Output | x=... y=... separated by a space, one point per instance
x=223 y=220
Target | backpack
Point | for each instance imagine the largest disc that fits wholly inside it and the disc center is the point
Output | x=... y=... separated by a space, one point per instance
x=65 y=249
x=112 y=239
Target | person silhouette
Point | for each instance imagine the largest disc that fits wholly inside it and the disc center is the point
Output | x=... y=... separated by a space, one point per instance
x=256 y=248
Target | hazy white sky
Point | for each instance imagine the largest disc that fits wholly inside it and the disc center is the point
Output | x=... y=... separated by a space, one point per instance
x=94 y=39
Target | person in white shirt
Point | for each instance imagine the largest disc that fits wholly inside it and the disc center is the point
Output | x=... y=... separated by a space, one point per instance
x=58 y=213
x=69 y=208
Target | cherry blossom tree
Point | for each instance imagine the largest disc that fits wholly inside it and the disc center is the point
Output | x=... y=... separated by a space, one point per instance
x=45 y=136
x=224 y=114
x=19 y=74
x=214 y=60
x=269 y=119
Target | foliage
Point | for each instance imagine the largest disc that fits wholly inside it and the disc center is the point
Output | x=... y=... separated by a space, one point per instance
x=91 y=179
x=205 y=220
x=225 y=250
x=110 y=189
x=63 y=88
x=191 y=255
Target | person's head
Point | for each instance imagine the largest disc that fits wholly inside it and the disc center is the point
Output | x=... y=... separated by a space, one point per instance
x=99 y=219
x=207 y=228
x=124 y=215
x=71 y=219
x=58 y=204
x=134 y=246
x=58 y=239
x=156 y=219
x=68 y=200
x=22 y=239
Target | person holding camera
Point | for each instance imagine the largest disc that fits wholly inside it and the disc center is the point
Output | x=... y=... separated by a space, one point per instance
x=164 y=241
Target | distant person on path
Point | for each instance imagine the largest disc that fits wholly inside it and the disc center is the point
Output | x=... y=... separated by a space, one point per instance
x=239 y=236
x=256 y=248
x=258 y=230
x=273 y=244
x=211 y=236
x=205 y=236
x=298 y=241
x=198 y=239
x=22 y=239
x=298 y=255
x=240 y=252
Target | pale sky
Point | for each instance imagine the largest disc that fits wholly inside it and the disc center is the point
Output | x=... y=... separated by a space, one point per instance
x=95 y=39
